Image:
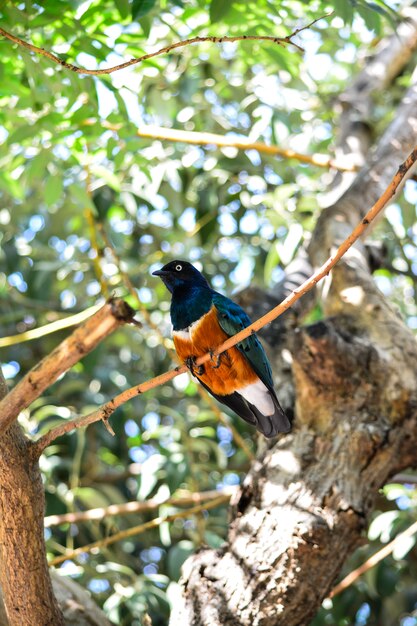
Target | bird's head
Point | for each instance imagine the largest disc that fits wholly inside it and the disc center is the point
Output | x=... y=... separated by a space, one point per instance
x=181 y=275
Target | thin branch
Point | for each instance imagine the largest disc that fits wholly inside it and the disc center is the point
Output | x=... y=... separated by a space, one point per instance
x=135 y=507
x=404 y=478
x=372 y=561
x=89 y=216
x=53 y=327
x=212 y=139
x=238 y=439
x=82 y=341
x=128 y=283
x=104 y=412
x=137 y=530
x=282 y=41
x=240 y=442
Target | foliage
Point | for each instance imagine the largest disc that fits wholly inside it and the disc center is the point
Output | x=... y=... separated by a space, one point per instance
x=75 y=176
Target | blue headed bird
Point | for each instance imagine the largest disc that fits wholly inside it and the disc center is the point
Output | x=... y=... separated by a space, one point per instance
x=202 y=319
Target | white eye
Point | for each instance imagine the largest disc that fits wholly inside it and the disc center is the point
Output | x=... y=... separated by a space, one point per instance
x=178 y=268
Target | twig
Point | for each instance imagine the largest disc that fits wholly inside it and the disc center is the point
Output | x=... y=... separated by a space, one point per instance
x=282 y=41
x=108 y=408
x=240 y=442
x=410 y=479
x=135 y=507
x=372 y=561
x=89 y=216
x=84 y=339
x=207 y=139
x=137 y=530
x=53 y=327
x=128 y=283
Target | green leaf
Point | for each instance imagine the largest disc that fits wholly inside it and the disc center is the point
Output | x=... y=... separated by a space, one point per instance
x=176 y=557
x=84 y=199
x=122 y=7
x=141 y=8
x=218 y=9
x=21 y=133
x=213 y=540
x=344 y=9
x=371 y=17
x=271 y=262
x=146 y=24
x=53 y=189
x=403 y=546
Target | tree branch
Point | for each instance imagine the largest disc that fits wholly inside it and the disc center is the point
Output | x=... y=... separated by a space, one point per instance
x=82 y=341
x=221 y=141
x=104 y=412
x=372 y=561
x=355 y=105
x=240 y=442
x=282 y=41
x=137 y=530
x=207 y=139
x=136 y=507
x=89 y=216
x=237 y=437
x=53 y=327
x=24 y=575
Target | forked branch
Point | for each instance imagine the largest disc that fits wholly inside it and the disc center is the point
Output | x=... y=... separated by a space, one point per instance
x=282 y=41
x=82 y=341
x=104 y=412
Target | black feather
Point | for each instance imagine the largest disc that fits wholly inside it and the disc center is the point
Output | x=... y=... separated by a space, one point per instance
x=268 y=425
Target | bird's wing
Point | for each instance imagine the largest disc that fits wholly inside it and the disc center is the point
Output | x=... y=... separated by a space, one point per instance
x=232 y=318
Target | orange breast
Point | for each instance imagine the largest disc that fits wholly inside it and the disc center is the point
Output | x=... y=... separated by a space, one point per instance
x=234 y=371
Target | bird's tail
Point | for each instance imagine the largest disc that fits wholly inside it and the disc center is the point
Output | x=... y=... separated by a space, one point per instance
x=271 y=425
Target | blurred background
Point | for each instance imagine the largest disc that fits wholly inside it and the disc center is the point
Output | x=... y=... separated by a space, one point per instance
x=89 y=208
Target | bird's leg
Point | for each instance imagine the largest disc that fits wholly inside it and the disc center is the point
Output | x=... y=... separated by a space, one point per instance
x=217 y=358
x=196 y=370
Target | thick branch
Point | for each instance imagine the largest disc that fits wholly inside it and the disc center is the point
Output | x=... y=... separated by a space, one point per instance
x=356 y=103
x=336 y=221
x=24 y=575
x=282 y=41
x=104 y=412
x=70 y=351
x=304 y=504
x=390 y=57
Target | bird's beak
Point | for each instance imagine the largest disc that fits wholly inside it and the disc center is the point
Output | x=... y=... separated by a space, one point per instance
x=160 y=273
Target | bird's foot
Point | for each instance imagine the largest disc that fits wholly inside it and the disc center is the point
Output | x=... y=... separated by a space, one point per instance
x=196 y=370
x=217 y=358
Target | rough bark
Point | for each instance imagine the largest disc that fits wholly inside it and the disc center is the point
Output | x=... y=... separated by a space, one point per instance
x=355 y=105
x=75 y=603
x=305 y=502
x=24 y=575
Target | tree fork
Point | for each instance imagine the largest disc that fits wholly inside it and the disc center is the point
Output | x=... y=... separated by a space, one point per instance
x=304 y=504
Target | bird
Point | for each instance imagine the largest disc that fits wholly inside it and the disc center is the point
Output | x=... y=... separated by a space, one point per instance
x=240 y=377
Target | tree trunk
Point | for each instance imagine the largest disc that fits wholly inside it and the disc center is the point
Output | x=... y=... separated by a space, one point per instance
x=303 y=506
x=24 y=574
